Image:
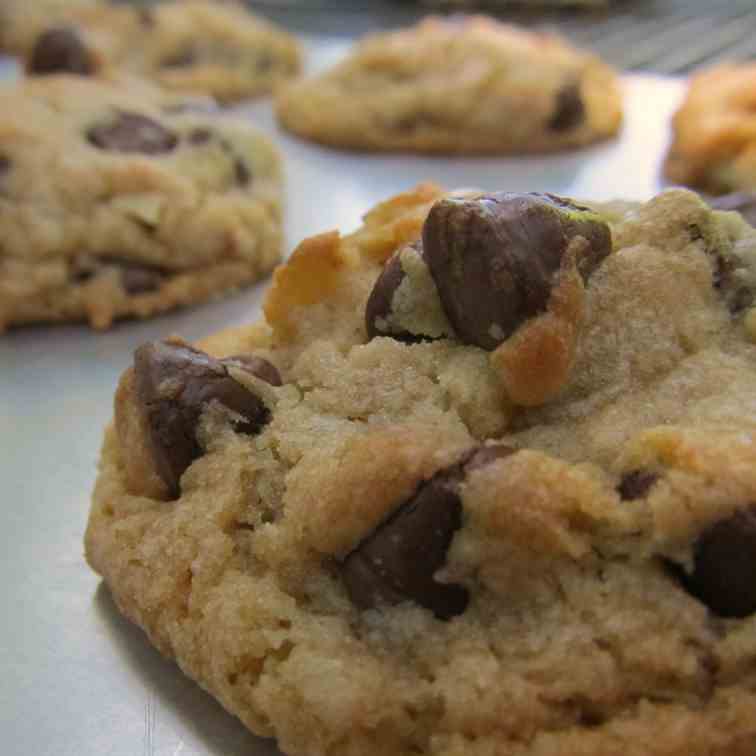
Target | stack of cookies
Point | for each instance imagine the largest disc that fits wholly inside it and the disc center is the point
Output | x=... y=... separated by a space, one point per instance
x=482 y=479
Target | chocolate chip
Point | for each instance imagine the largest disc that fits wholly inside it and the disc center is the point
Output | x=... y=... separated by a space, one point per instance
x=132 y=132
x=200 y=136
x=60 y=50
x=5 y=165
x=140 y=279
x=743 y=202
x=242 y=173
x=135 y=278
x=379 y=304
x=81 y=275
x=398 y=561
x=264 y=63
x=636 y=484
x=417 y=121
x=146 y=17
x=724 y=566
x=180 y=59
x=255 y=365
x=734 y=290
x=494 y=258
x=570 y=108
x=174 y=384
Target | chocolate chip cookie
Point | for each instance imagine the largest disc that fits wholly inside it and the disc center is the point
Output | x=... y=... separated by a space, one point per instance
x=483 y=481
x=713 y=133
x=457 y=85
x=189 y=45
x=120 y=200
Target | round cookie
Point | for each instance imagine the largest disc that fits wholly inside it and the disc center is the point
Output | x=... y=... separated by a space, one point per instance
x=416 y=548
x=713 y=133
x=457 y=85
x=199 y=46
x=119 y=200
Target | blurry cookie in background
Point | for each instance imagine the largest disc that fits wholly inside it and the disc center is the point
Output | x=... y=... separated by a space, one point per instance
x=22 y=20
x=120 y=200
x=713 y=144
x=458 y=85
x=219 y=49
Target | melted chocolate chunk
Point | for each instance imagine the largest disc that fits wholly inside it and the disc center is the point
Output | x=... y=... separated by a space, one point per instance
x=417 y=121
x=735 y=292
x=494 y=258
x=135 y=278
x=174 y=384
x=60 y=50
x=257 y=366
x=200 y=136
x=380 y=303
x=147 y=17
x=180 y=59
x=132 y=132
x=398 y=561
x=242 y=173
x=636 y=484
x=264 y=63
x=570 y=108
x=724 y=566
x=140 y=279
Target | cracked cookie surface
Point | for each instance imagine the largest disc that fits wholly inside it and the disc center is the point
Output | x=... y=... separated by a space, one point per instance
x=120 y=200
x=460 y=85
x=423 y=546
x=198 y=46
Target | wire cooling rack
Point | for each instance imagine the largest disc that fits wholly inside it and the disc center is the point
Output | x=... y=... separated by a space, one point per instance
x=660 y=36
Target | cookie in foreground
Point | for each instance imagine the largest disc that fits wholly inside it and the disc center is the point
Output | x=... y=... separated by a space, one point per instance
x=483 y=481
x=188 y=46
x=119 y=200
x=457 y=85
x=713 y=132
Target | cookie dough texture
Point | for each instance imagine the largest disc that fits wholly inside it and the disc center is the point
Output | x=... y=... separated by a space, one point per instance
x=457 y=85
x=583 y=551
x=118 y=200
x=714 y=132
x=201 y=46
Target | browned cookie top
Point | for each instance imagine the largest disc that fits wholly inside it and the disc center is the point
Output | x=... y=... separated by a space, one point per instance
x=482 y=482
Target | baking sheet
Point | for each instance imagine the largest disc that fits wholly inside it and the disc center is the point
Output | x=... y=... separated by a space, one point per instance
x=76 y=678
